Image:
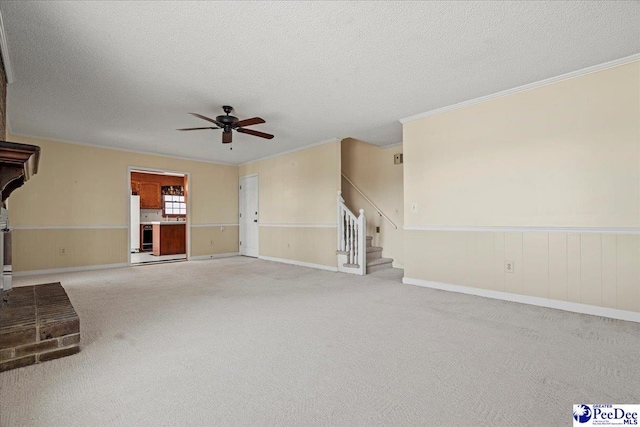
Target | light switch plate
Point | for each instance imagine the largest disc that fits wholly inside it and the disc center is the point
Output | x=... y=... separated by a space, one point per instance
x=414 y=207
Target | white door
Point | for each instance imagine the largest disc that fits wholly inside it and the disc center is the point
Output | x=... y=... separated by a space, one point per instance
x=249 y=216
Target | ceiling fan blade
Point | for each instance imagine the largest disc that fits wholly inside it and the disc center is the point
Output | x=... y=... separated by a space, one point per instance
x=207 y=119
x=248 y=122
x=198 y=128
x=227 y=137
x=255 y=133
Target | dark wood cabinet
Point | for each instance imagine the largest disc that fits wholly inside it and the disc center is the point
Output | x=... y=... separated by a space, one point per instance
x=169 y=239
x=149 y=195
x=149 y=187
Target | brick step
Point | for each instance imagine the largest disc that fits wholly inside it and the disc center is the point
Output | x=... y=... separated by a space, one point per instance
x=37 y=324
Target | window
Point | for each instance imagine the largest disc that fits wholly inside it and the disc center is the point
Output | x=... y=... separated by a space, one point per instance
x=174 y=205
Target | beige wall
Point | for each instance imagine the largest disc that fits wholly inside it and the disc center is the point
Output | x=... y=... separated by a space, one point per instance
x=80 y=198
x=565 y=154
x=562 y=155
x=225 y=240
x=372 y=170
x=304 y=244
x=297 y=204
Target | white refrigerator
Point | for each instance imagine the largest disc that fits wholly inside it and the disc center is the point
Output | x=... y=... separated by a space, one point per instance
x=135 y=224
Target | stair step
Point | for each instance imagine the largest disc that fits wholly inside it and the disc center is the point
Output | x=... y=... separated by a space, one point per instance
x=369 y=239
x=379 y=264
x=374 y=252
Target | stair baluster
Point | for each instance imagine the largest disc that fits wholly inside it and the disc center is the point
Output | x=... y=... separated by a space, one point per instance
x=351 y=232
x=351 y=240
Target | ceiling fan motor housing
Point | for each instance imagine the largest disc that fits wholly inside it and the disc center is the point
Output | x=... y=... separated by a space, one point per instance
x=228 y=123
x=227 y=120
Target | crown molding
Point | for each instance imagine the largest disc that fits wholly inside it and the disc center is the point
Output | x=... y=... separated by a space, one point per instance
x=272 y=156
x=397 y=144
x=149 y=153
x=529 y=86
x=4 y=50
x=126 y=150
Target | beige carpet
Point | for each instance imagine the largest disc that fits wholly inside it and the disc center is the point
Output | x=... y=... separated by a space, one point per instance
x=245 y=342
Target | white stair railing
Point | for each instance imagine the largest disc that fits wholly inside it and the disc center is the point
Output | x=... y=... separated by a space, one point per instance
x=352 y=248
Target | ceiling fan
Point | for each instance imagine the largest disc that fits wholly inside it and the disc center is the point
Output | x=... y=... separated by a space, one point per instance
x=229 y=123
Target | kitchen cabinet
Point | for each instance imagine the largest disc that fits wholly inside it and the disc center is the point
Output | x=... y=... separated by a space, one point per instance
x=149 y=195
x=169 y=238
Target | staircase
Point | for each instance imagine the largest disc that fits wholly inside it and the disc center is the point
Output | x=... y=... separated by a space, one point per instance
x=356 y=255
x=375 y=262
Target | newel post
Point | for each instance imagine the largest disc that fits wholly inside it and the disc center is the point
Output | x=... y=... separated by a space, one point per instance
x=362 y=243
x=340 y=221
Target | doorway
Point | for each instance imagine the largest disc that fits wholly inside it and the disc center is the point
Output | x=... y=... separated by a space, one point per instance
x=158 y=217
x=248 y=200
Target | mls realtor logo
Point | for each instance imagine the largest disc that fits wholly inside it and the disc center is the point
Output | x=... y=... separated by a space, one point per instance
x=582 y=413
x=605 y=415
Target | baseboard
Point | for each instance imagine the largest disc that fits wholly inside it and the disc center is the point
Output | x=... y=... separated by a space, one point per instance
x=300 y=263
x=213 y=256
x=613 y=313
x=68 y=269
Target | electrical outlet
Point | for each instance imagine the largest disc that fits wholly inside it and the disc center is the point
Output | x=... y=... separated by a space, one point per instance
x=414 y=207
x=509 y=267
x=211 y=243
x=63 y=251
x=221 y=228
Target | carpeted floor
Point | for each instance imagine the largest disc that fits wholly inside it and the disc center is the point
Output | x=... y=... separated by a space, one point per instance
x=246 y=342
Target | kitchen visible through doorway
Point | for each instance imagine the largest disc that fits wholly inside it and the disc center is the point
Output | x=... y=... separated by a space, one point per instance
x=158 y=217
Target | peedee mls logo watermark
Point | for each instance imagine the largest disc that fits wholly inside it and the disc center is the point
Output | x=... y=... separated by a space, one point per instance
x=605 y=415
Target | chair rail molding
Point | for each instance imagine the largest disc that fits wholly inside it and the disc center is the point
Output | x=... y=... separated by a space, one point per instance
x=526 y=229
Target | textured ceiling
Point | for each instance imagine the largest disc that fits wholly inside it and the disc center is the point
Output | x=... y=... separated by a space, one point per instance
x=125 y=74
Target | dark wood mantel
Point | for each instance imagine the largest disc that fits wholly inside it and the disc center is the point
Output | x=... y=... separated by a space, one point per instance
x=18 y=163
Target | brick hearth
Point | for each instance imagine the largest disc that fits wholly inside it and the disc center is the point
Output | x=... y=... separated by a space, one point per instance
x=38 y=324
